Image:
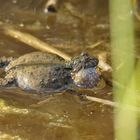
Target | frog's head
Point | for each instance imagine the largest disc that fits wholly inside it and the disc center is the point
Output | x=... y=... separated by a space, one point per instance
x=84 y=71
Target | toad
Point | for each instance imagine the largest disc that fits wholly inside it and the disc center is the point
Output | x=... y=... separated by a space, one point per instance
x=48 y=73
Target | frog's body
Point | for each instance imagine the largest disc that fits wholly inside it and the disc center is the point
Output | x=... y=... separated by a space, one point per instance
x=44 y=72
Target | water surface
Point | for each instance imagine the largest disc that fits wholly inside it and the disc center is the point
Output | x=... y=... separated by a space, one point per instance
x=75 y=28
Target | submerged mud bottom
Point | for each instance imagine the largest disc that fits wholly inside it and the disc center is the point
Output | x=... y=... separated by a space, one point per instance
x=62 y=116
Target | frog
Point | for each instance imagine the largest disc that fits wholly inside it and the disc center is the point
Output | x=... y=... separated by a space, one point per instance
x=48 y=73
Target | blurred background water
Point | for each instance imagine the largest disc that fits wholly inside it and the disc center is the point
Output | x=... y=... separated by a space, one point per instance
x=75 y=28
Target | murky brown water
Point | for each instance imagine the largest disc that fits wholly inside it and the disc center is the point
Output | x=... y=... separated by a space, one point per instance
x=75 y=28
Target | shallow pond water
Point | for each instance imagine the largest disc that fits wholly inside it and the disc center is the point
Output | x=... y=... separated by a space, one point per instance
x=77 y=26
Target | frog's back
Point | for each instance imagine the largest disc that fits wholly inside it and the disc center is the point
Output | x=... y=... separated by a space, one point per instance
x=35 y=58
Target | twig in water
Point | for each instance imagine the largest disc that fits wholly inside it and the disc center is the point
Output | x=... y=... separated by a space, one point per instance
x=95 y=45
x=34 y=42
x=102 y=62
x=103 y=101
x=104 y=66
x=113 y=104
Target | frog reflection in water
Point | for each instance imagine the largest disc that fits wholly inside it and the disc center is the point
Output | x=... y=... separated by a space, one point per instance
x=43 y=72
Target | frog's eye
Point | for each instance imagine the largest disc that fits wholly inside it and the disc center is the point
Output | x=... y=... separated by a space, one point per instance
x=93 y=62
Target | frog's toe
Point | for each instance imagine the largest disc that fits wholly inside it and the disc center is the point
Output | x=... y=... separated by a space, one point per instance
x=3 y=82
x=6 y=82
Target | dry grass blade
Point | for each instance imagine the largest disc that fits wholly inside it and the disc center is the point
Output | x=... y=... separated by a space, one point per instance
x=34 y=42
x=95 y=45
x=103 y=101
x=113 y=104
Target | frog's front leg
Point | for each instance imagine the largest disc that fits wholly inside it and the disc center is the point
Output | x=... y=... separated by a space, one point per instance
x=4 y=61
x=8 y=81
